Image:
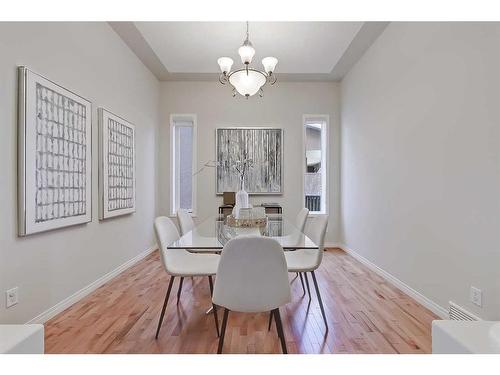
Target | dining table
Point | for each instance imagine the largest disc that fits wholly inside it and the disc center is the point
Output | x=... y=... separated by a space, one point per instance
x=213 y=233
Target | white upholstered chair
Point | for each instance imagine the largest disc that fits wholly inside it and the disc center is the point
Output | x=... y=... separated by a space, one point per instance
x=252 y=277
x=300 y=220
x=308 y=260
x=300 y=224
x=181 y=263
x=186 y=225
x=186 y=222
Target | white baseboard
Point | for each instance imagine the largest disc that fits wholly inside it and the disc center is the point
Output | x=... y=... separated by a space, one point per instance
x=75 y=297
x=420 y=298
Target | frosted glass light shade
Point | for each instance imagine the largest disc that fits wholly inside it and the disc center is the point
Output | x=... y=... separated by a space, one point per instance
x=269 y=63
x=225 y=64
x=246 y=52
x=247 y=84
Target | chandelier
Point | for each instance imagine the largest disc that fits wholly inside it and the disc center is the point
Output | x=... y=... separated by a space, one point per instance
x=247 y=81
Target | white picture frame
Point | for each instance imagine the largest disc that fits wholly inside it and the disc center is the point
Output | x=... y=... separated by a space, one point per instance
x=117 y=173
x=54 y=155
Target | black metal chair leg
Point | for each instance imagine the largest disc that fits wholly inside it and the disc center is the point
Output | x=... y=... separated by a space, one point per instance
x=302 y=282
x=307 y=284
x=270 y=320
x=279 y=327
x=164 y=305
x=216 y=318
x=223 y=331
x=179 y=290
x=211 y=285
x=214 y=308
x=319 y=299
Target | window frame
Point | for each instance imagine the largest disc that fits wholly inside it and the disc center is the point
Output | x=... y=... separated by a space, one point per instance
x=174 y=184
x=324 y=160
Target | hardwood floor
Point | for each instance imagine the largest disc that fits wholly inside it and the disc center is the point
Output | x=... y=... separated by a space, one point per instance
x=364 y=312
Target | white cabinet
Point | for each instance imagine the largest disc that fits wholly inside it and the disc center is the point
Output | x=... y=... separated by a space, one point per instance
x=21 y=338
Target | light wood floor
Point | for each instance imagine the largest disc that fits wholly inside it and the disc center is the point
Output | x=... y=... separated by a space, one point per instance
x=365 y=314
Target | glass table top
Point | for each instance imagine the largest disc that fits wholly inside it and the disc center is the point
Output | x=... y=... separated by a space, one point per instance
x=212 y=234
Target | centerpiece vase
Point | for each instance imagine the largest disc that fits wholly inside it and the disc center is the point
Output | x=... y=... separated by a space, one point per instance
x=242 y=196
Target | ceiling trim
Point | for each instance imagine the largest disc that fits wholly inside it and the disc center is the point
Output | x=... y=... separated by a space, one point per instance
x=282 y=77
x=363 y=39
x=136 y=42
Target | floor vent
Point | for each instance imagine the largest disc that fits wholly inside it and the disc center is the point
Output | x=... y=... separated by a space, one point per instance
x=458 y=313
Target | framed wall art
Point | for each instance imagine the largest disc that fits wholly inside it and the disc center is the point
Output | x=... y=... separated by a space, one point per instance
x=262 y=147
x=54 y=155
x=116 y=165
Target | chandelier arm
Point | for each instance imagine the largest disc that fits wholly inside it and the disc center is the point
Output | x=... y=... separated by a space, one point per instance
x=272 y=79
x=223 y=78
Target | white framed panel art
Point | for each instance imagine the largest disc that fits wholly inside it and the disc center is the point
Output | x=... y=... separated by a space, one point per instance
x=116 y=165
x=54 y=155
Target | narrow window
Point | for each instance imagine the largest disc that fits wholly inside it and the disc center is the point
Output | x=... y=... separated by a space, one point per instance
x=183 y=131
x=315 y=167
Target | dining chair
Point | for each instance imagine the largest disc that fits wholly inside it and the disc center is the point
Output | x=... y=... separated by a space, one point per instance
x=300 y=223
x=181 y=263
x=300 y=220
x=186 y=223
x=303 y=261
x=252 y=277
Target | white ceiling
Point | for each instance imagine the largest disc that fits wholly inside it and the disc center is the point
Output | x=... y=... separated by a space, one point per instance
x=307 y=51
x=301 y=47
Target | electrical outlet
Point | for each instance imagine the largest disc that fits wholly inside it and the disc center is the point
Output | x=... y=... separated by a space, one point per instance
x=11 y=297
x=476 y=296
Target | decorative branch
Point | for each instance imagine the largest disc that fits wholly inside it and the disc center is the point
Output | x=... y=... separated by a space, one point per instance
x=207 y=164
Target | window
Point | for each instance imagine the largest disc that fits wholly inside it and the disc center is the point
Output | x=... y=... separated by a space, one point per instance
x=183 y=158
x=315 y=163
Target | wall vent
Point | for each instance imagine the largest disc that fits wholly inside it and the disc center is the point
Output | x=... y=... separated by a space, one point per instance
x=459 y=313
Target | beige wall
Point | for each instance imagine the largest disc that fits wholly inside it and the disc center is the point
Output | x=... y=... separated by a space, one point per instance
x=421 y=159
x=90 y=59
x=283 y=106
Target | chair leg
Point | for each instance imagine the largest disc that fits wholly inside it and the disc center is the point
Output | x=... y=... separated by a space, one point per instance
x=214 y=308
x=279 y=327
x=307 y=284
x=319 y=299
x=211 y=285
x=270 y=320
x=164 y=305
x=223 y=331
x=179 y=290
x=302 y=282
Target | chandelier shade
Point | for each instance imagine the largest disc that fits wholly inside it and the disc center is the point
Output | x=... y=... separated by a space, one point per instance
x=269 y=64
x=247 y=81
x=246 y=53
x=225 y=64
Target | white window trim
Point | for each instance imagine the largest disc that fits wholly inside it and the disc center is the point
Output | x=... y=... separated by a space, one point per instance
x=325 y=158
x=173 y=192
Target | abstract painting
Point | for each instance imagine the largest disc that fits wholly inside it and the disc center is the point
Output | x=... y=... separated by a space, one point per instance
x=117 y=165
x=54 y=164
x=263 y=146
